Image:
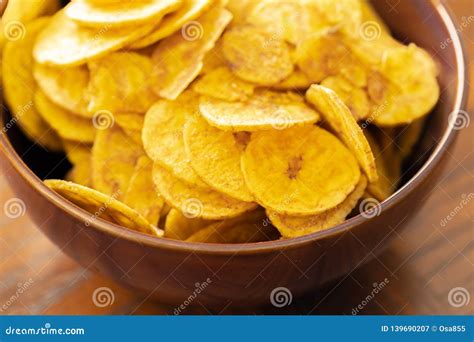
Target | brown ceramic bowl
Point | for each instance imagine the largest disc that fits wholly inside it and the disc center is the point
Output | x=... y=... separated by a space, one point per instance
x=246 y=274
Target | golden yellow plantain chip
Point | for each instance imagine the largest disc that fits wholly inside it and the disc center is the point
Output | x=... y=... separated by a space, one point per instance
x=178 y=59
x=132 y=125
x=256 y=56
x=240 y=10
x=355 y=98
x=162 y=136
x=66 y=87
x=215 y=156
x=371 y=17
x=120 y=82
x=222 y=84
x=412 y=89
x=299 y=171
x=125 y=13
x=339 y=117
x=265 y=110
x=323 y=54
x=102 y=206
x=180 y=19
x=179 y=227
x=385 y=184
x=67 y=125
x=409 y=137
x=294 y=226
x=249 y=227
x=296 y=80
x=19 y=87
x=114 y=156
x=17 y=14
x=79 y=155
x=213 y=59
x=64 y=42
x=196 y=201
x=141 y=194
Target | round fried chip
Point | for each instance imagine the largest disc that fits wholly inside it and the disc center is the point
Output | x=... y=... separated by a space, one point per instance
x=341 y=120
x=413 y=89
x=264 y=111
x=162 y=136
x=132 y=125
x=222 y=84
x=19 y=87
x=178 y=59
x=179 y=227
x=294 y=226
x=215 y=156
x=322 y=54
x=102 y=206
x=120 y=82
x=79 y=155
x=189 y=10
x=257 y=56
x=141 y=194
x=114 y=156
x=68 y=125
x=355 y=98
x=64 y=42
x=299 y=171
x=196 y=201
x=66 y=87
x=125 y=13
x=249 y=227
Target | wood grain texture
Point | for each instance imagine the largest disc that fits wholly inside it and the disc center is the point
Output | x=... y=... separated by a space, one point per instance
x=420 y=268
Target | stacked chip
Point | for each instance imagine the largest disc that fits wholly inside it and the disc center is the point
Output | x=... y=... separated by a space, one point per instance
x=220 y=121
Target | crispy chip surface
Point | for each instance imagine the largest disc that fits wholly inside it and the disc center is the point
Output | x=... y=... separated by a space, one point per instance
x=66 y=124
x=355 y=98
x=256 y=56
x=79 y=155
x=249 y=227
x=179 y=227
x=66 y=87
x=196 y=201
x=120 y=82
x=141 y=194
x=114 y=156
x=162 y=135
x=123 y=13
x=294 y=226
x=178 y=59
x=64 y=42
x=222 y=84
x=299 y=171
x=131 y=124
x=19 y=87
x=180 y=19
x=109 y=208
x=265 y=110
x=340 y=118
x=215 y=156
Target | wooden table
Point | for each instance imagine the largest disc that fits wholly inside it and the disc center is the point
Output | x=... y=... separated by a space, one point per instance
x=422 y=265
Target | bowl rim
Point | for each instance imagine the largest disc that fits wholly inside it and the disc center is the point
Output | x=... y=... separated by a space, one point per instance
x=266 y=246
